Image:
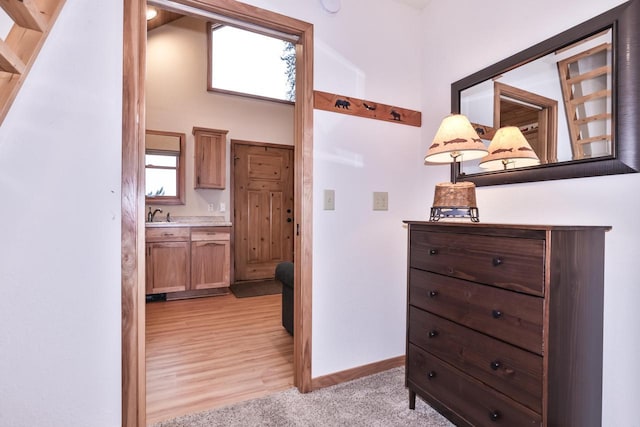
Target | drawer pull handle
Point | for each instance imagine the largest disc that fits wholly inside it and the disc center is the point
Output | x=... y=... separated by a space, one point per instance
x=495 y=415
x=433 y=294
x=433 y=334
x=431 y=374
x=497 y=314
x=495 y=365
x=433 y=252
x=497 y=261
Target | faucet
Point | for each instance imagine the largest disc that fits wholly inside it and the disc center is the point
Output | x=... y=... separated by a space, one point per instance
x=152 y=215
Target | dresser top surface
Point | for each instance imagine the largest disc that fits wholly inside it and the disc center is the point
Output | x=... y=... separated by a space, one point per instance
x=479 y=226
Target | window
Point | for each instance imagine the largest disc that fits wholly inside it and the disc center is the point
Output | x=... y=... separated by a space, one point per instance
x=164 y=167
x=251 y=64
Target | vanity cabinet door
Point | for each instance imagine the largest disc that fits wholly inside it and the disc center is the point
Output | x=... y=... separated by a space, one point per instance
x=167 y=267
x=210 y=258
x=210 y=158
x=210 y=264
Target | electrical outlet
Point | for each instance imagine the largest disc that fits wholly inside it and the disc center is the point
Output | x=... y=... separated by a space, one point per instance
x=210 y=207
x=380 y=201
x=329 y=200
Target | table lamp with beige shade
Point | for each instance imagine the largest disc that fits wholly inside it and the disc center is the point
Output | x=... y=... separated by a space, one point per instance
x=455 y=141
x=509 y=149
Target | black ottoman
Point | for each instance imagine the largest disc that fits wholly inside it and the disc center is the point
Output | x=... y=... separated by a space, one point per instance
x=284 y=273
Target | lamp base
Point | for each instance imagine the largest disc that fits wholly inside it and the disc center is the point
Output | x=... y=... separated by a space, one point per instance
x=455 y=200
x=449 y=212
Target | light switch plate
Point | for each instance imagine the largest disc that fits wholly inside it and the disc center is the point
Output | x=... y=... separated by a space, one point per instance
x=380 y=201
x=329 y=200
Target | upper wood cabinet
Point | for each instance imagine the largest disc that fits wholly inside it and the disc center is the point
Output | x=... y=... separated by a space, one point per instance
x=210 y=158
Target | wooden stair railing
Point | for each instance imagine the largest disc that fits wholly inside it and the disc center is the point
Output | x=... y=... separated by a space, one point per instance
x=32 y=21
x=574 y=100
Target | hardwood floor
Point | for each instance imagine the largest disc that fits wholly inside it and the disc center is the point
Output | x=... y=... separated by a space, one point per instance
x=209 y=352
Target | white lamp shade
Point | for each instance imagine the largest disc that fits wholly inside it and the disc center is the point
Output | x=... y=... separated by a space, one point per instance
x=455 y=137
x=509 y=148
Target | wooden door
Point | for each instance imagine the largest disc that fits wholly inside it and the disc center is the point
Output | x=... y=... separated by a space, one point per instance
x=263 y=208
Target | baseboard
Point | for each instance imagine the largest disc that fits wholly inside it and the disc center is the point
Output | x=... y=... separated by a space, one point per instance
x=357 y=372
x=196 y=293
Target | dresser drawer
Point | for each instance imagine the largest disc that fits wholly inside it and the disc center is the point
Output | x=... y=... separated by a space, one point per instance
x=507 y=262
x=512 y=371
x=510 y=316
x=470 y=399
x=167 y=234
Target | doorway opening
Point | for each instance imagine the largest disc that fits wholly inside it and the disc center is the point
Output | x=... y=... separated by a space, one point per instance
x=133 y=308
x=535 y=115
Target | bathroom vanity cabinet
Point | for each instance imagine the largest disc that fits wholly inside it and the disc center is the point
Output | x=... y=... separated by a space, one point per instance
x=187 y=258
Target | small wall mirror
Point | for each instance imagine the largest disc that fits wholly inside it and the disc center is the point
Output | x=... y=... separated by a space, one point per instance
x=164 y=167
x=574 y=97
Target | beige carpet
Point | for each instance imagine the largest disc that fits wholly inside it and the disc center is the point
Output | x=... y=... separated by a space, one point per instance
x=379 y=400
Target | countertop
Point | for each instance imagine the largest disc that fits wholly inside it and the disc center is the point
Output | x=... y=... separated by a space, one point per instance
x=191 y=221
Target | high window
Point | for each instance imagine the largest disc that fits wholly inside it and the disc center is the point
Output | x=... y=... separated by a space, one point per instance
x=251 y=64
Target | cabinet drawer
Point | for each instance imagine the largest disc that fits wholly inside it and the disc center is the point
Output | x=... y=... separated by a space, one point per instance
x=208 y=234
x=470 y=399
x=510 y=316
x=512 y=371
x=167 y=234
x=507 y=262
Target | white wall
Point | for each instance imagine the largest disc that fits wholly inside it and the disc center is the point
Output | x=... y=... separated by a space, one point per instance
x=177 y=100
x=487 y=32
x=60 y=157
x=368 y=50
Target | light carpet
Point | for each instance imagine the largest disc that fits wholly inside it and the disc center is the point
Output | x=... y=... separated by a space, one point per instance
x=379 y=400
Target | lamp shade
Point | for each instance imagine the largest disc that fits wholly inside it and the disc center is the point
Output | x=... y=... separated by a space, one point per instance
x=509 y=147
x=455 y=137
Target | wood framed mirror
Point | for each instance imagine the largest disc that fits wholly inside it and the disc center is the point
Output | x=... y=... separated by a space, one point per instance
x=565 y=145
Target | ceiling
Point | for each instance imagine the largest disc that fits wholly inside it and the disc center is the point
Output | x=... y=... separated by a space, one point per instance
x=165 y=17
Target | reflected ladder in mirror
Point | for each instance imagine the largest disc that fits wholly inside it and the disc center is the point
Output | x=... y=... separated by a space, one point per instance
x=576 y=97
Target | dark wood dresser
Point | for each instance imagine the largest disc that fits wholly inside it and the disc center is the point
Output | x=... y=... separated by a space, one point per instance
x=504 y=323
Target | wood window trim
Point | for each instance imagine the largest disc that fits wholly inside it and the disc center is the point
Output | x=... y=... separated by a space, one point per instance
x=133 y=128
x=178 y=199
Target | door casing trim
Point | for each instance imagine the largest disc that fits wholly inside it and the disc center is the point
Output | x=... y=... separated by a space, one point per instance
x=132 y=256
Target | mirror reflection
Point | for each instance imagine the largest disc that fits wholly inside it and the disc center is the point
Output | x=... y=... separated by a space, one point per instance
x=164 y=167
x=561 y=102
